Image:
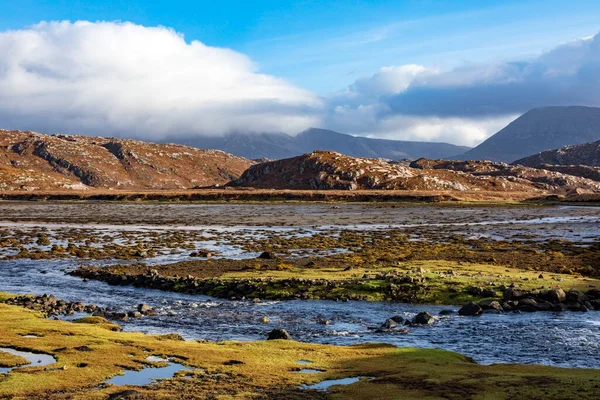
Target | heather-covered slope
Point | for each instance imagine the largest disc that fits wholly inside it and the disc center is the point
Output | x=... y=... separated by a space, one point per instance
x=33 y=161
x=583 y=154
x=330 y=170
x=539 y=130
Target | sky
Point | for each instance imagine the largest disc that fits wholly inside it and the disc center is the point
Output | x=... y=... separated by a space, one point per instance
x=414 y=70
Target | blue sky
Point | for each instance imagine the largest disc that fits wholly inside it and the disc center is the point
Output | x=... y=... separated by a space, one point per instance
x=433 y=70
x=322 y=45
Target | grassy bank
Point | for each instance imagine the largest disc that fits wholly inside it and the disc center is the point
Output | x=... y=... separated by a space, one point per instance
x=89 y=353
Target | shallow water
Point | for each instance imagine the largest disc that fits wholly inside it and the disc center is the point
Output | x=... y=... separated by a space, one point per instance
x=35 y=359
x=147 y=375
x=565 y=339
x=324 y=385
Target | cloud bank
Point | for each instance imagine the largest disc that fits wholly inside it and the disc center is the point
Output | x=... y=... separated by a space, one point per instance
x=467 y=104
x=122 y=79
x=125 y=79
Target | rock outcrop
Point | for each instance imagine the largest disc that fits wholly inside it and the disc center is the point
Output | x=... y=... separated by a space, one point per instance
x=33 y=161
x=322 y=170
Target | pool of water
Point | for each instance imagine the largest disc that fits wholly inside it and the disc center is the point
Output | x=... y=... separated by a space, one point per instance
x=35 y=359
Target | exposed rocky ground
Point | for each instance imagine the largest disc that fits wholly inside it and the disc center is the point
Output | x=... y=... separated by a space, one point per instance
x=583 y=154
x=32 y=161
x=581 y=160
x=329 y=170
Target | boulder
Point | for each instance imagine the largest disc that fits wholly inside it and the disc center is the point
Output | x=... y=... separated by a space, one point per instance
x=491 y=305
x=266 y=255
x=575 y=296
x=470 y=309
x=125 y=395
x=517 y=294
x=553 y=295
x=398 y=319
x=144 y=308
x=277 y=334
x=389 y=324
x=423 y=318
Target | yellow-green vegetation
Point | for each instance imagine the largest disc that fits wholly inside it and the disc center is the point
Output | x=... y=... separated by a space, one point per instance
x=87 y=354
x=415 y=281
x=8 y=360
x=439 y=282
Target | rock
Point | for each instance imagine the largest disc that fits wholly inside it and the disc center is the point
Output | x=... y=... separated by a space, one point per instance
x=593 y=294
x=389 y=324
x=322 y=321
x=201 y=253
x=264 y=320
x=574 y=296
x=527 y=302
x=474 y=291
x=134 y=314
x=491 y=305
x=526 y=308
x=516 y=294
x=398 y=319
x=553 y=295
x=144 y=308
x=233 y=362
x=266 y=255
x=423 y=318
x=125 y=395
x=488 y=293
x=349 y=268
x=470 y=309
x=277 y=334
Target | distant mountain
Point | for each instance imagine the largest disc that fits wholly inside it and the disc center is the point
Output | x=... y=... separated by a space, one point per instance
x=582 y=154
x=539 y=130
x=277 y=146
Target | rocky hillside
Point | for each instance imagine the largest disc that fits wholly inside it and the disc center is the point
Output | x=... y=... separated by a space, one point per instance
x=583 y=154
x=33 y=161
x=539 y=130
x=276 y=146
x=330 y=170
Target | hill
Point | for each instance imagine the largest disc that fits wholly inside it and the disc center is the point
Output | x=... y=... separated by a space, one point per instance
x=583 y=154
x=276 y=146
x=329 y=170
x=539 y=130
x=34 y=161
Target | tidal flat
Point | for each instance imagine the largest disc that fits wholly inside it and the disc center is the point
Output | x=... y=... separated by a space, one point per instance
x=336 y=276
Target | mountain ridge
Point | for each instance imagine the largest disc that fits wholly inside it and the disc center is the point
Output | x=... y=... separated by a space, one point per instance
x=538 y=130
x=281 y=145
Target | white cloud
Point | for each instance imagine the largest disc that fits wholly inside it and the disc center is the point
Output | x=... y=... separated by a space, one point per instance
x=126 y=79
x=467 y=104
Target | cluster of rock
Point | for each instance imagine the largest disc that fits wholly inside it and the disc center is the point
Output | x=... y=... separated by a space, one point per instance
x=397 y=322
x=49 y=305
x=33 y=161
x=239 y=289
x=532 y=301
x=326 y=170
x=141 y=311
